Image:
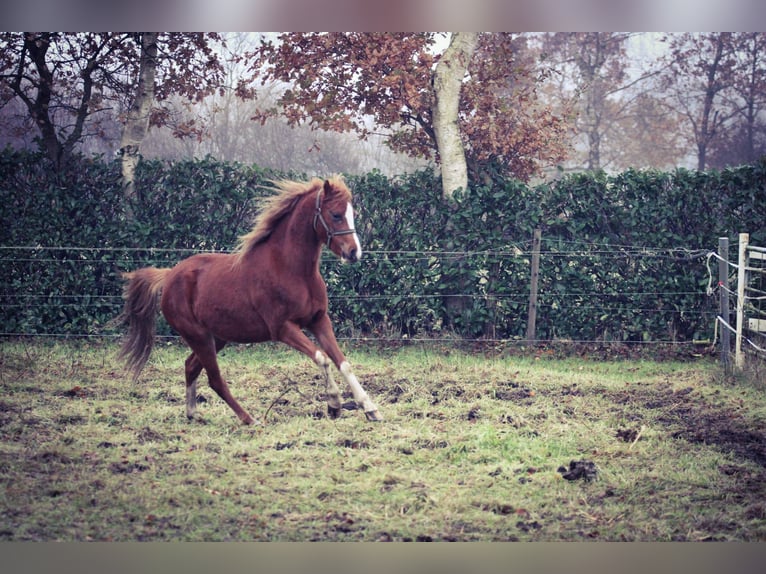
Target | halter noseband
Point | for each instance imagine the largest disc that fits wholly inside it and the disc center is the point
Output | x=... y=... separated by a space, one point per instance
x=319 y=217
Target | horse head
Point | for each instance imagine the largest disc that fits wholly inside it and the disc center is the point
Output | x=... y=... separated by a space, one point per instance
x=334 y=220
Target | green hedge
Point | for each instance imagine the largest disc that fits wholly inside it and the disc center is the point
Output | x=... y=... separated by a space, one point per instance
x=182 y=208
x=623 y=257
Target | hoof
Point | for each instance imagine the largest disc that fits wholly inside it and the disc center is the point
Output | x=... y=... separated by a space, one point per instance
x=333 y=412
x=373 y=416
x=247 y=419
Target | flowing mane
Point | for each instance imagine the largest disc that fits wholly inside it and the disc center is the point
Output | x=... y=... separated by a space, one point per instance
x=274 y=208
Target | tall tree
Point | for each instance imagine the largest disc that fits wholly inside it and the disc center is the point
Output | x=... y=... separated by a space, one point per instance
x=70 y=82
x=137 y=121
x=699 y=73
x=594 y=74
x=750 y=86
x=448 y=78
x=643 y=134
x=369 y=83
x=504 y=120
x=745 y=141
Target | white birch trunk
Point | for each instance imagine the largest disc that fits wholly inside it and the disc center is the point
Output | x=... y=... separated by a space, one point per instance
x=448 y=78
x=137 y=123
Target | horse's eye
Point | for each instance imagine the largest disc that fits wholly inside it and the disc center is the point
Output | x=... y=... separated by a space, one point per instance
x=337 y=218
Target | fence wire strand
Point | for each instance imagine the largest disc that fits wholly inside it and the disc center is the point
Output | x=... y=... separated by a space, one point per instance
x=557 y=301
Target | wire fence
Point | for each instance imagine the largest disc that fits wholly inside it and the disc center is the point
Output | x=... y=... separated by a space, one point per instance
x=584 y=297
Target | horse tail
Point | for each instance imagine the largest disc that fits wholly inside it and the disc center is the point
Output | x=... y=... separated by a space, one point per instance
x=142 y=302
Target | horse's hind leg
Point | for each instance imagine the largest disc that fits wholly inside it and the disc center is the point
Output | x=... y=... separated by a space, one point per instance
x=193 y=368
x=205 y=352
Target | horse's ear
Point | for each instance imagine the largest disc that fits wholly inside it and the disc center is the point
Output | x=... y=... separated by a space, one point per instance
x=327 y=188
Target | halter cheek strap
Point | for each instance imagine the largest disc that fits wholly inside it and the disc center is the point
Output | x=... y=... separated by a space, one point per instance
x=320 y=218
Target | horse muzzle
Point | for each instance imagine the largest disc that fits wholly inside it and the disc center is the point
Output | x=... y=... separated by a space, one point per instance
x=351 y=255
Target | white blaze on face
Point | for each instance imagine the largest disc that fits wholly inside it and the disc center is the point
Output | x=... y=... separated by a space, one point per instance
x=350 y=223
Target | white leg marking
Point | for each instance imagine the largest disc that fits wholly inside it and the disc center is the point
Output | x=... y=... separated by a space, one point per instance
x=350 y=223
x=356 y=389
x=191 y=399
x=333 y=392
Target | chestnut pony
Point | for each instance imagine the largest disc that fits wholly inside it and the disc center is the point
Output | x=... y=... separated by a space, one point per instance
x=270 y=289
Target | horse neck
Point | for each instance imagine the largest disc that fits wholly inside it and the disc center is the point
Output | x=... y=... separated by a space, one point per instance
x=296 y=239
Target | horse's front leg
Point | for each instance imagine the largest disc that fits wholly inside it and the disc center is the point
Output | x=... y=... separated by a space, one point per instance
x=292 y=335
x=361 y=397
x=324 y=333
x=333 y=392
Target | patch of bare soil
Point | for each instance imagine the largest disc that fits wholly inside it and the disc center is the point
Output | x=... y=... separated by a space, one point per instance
x=728 y=435
x=689 y=416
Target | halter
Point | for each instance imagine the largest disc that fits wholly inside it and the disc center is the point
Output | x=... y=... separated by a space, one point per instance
x=319 y=217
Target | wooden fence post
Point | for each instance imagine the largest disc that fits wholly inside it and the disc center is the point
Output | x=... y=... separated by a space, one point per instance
x=739 y=356
x=532 y=313
x=723 y=300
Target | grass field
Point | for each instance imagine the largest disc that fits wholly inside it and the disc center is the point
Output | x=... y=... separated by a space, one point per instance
x=474 y=447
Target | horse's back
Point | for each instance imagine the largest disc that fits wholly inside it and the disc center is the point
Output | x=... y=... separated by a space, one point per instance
x=193 y=272
x=206 y=294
